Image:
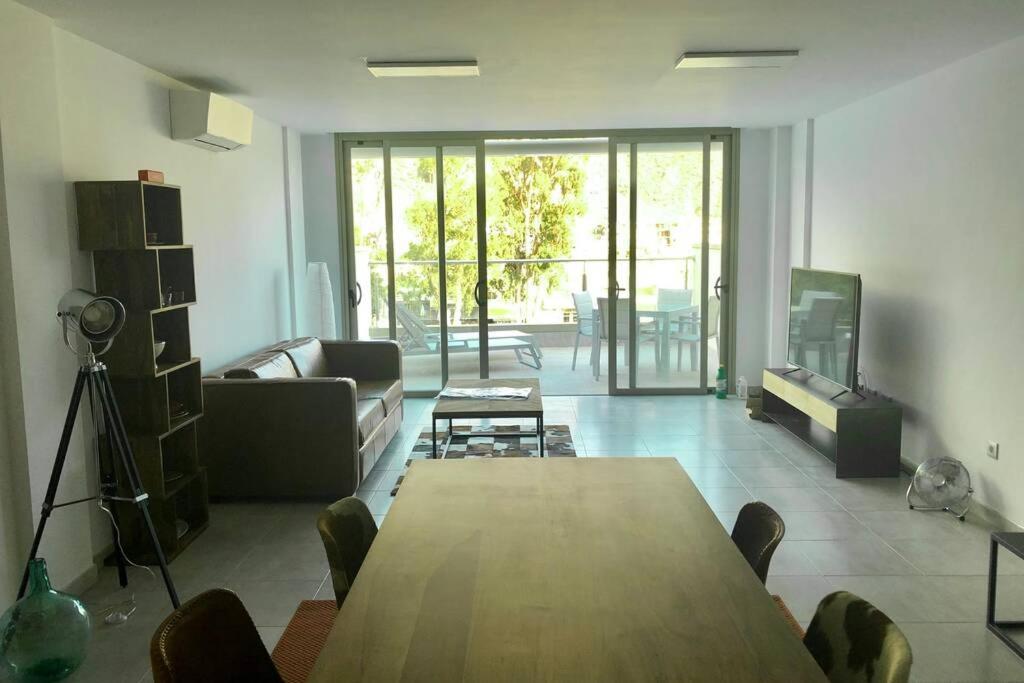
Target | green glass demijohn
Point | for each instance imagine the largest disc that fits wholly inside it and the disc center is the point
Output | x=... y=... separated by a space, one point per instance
x=43 y=636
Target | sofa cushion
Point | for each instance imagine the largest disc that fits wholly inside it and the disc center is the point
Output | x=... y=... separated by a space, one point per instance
x=308 y=356
x=369 y=415
x=389 y=390
x=270 y=365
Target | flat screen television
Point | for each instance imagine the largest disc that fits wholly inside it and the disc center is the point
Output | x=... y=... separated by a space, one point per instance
x=824 y=324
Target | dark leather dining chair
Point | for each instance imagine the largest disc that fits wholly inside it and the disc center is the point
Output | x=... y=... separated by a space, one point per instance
x=210 y=638
x=347 y=529
x=854 y=642
x=757 y=533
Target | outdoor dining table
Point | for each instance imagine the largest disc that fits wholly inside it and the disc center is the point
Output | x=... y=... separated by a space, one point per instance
x=557 y=569
x=665 y=314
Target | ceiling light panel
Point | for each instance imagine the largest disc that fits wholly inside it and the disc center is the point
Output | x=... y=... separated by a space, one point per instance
x=466 y=67
x=736 y=60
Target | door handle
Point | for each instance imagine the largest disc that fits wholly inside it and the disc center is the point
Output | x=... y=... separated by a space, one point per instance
x=720 y=289
x=476 y=293
x=355 y=296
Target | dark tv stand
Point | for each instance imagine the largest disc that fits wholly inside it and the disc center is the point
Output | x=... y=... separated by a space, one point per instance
x=860 y=434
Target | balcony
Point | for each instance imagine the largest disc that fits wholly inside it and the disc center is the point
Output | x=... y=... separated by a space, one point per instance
x=542 y=330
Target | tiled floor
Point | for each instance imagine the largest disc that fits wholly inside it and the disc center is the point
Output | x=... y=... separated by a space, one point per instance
x=926 y=570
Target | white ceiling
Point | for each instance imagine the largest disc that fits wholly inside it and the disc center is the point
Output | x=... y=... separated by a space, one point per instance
x=545 y=64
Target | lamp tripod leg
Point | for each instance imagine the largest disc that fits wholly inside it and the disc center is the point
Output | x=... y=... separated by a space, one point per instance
x=58 y=467
x=108 y=481
x=120 y=437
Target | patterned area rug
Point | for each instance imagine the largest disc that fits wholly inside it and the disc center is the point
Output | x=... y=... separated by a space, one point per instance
x=557 y=444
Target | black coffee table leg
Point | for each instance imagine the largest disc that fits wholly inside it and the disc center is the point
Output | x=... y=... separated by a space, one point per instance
x=993 y=559
x=540 y=434
x=433 y=437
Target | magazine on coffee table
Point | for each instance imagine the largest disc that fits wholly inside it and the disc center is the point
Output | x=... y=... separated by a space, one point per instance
x=487 y=394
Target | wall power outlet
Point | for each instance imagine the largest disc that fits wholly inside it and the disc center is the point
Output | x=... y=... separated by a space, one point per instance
x=993 y=450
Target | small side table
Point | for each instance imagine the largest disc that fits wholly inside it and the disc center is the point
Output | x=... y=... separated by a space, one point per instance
x=1014 y=542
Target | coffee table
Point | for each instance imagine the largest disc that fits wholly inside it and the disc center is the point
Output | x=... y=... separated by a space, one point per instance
x=463 y=408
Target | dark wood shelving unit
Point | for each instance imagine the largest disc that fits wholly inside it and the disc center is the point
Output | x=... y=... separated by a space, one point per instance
x=134 y=230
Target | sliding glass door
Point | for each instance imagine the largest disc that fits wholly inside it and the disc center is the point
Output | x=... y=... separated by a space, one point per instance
x=414 y=258
x=667 y=259
x=546 y=248
x=463 y=288
x=589 y=262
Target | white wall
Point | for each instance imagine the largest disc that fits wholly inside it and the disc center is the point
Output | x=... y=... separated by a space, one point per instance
x=777 y=332
x=71 y=110
x=919 y=189
x=114 y=121
x=320 y=196
x=15 y=520
x=40 y=254
x=296 y=228
x=755 y=212
x=801 y=193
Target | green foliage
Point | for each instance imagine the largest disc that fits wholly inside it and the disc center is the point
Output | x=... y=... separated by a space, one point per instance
x=537 y=199
x=369 y=227
x=533 y=201
x=533 y=204
x=421 y=283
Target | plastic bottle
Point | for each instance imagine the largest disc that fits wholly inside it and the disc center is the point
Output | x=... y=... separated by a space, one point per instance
x=741 y=388
x=721 y=383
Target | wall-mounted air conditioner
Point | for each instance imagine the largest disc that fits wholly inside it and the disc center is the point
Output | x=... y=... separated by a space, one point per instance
x=210 y=121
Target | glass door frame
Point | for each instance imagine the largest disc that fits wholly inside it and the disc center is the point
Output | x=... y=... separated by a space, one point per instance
x=724 y=290
x=729 y=137
x=346 y=237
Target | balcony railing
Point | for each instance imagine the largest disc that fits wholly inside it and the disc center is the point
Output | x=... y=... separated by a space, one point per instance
x=555 y=312
x=689 y=264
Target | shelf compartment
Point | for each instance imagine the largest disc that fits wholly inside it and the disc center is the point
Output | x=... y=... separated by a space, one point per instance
x=177 y=275
x=132 y=353
x=120 y=214
x=139 y=278
x=162 y=207
x=172 y=327
x=132 y=277
x=159 y=457
x=178 y=459
x=147 y=404
x=188 y=503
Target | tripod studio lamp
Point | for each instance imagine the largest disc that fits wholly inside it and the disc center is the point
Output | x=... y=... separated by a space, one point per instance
x=97 y=320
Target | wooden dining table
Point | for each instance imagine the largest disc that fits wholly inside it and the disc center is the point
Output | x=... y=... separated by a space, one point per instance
x=557 y=569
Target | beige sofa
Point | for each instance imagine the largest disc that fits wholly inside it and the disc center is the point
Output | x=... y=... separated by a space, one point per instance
x=306 y=418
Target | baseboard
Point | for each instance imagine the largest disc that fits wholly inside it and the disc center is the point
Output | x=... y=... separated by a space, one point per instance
x=84 y=581
x=978 y=510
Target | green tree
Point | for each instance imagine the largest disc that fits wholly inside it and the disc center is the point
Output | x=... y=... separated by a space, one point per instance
x=532 y=202
x=370 y=234
x=535 y=201
x=460 y=237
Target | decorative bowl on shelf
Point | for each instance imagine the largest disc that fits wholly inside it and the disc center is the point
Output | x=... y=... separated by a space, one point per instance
x=177 y=410
x=158 y=348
